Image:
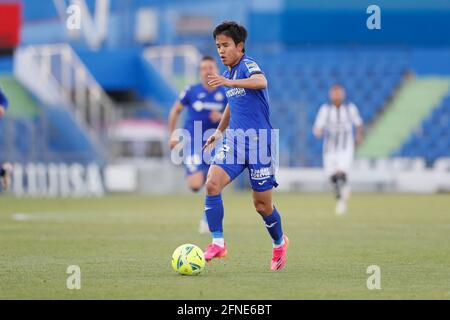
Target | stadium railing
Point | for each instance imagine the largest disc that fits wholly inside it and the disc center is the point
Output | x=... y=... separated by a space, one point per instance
x=56 y=75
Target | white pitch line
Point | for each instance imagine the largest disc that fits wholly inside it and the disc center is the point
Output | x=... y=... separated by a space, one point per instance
x=21 y=217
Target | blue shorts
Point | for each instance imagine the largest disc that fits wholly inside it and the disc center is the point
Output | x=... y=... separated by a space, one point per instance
x=194 y=163
x=258 y=160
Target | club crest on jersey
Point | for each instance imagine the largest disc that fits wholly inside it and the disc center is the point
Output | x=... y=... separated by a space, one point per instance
x=198 y=106
x=221 y=155
x=219 y=96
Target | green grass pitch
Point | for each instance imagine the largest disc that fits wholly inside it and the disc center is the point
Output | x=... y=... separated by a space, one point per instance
x=123 y=245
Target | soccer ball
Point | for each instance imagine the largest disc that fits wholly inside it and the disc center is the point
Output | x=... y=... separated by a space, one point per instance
x=188 y=259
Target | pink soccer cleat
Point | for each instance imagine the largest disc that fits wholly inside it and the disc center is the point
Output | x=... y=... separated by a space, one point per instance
x=279 y=256
x=215 y=251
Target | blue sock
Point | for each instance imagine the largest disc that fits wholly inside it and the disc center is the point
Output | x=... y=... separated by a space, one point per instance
x=273 y=225
x=214 y=214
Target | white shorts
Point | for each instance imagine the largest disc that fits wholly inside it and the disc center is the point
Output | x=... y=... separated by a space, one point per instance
x=337 y=161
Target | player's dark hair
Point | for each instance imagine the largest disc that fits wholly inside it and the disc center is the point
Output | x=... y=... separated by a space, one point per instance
x=233 y=30
x=208 y=58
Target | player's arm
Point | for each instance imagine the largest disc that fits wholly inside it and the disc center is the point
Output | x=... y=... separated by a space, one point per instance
x=225 y=121
x=215 y=116
x=172 y=122
x=2 y=110
x=319 y=123
x=255 y=81
x=359 y=134
x=223 y=125
x=358 y=122
x=318 y=132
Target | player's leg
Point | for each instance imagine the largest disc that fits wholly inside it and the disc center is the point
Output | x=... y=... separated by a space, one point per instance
x=343 y=166
x=331 y=161
x=195 y=181
x=5 y=175
x=331 y=170
x=196 y=171
x=263 y=181
x=272 y=220
x=216 y=180
x=339 y=180
x=225 y=168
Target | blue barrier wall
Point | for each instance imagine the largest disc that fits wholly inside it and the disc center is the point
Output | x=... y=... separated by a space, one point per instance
x=127 y=70
x=113 y=69
x=398 y=27
x=290 y=22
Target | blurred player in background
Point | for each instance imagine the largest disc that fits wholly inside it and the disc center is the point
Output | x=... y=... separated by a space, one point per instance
x=204 y=104
x=334 y=122
x=247 y=110
x=5 y=169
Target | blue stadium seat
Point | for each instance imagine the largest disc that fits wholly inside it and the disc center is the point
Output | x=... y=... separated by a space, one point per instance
x=299 y=88
x=432 y=141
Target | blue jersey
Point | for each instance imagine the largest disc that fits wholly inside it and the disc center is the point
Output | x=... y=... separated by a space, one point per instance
x=199 y=103
x=249 y=115
x=249 y=108
x=3 y=99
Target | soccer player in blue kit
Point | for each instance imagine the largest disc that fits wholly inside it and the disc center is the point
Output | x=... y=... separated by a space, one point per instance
x=247 y=111
x=5 y=169
x=204 y=105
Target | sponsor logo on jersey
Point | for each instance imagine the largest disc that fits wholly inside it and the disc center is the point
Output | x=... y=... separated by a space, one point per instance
x=219 y=96
x=200 y=105
x=221 y=155
x=260 y=174
x=236 y=92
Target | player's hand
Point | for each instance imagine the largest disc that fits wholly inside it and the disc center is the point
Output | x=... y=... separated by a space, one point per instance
x=358 y=139
x=215 y=116
x=217 y=81
x=317 y=133
x=212 y=140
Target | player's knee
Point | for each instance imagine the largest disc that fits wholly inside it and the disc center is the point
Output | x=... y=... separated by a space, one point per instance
x=195 y=187
x=212 y=187
x=334 y=178
x=262 y=207
x=340 y=176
